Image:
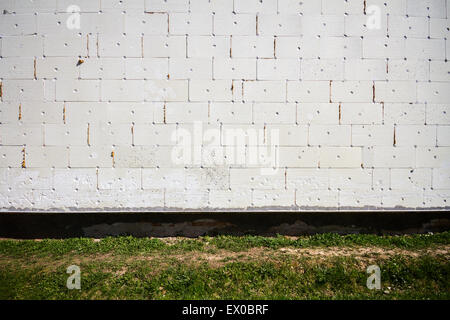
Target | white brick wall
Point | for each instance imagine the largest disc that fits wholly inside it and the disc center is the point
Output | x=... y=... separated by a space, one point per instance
x=224 y=105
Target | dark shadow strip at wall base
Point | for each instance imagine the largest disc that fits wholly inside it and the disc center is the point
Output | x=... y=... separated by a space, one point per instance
x=153 y=224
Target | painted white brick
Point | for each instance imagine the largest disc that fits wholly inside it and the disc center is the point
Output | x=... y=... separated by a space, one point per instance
x=383 y=48
x=357 y=26
x=279 y=25
x=210 y=90
x=288 y=135
x=147 y=68
x=65 y=135
x=190 y=68
x=16 y=134
x=273 y=198
x=410 y=179
x=408 y=70
x=166 y=90
x=208 y=46
x=395 y=91
x=433 y=92
x=22 y=46
x=166 y=5
x=57 y=68
x=255 y=6
x=313 y=199
x=274 y=113
x=78 y=90
x=22 y=90
x=439 y=71
x=17 y=68
x=164 y=46
x=307 y=7
x=45 y=157
x=235 y=68
x=365 y=69
x=211 y=6
x=323 y=25
x=329 y=135
x=110 y=134
x=154 y=134
x=347 y=179
x=339 y=7
x=191 y=24
x=361 y=113
x=340 y=157
x=11 y=156
x=389 y=157
x=351 y=91
x=410 y=27
x=179 y=112
x=414 y=135
x=304 y=179
x=438 y=114
x=299 y=157
x=265 y=91
x=252 y=46
x=432 y=157
x=90 y=157
x=322 y=69
x=372 y=135
x=241 y=24
x=308 y=91
x=425 y=49
x=443 y=136
x=441 y=178
x=404 y=113
x=439 y=28
x=225 y=112
x=426 y=8
x=318 y=113
x=119 y=178
x=253 y=179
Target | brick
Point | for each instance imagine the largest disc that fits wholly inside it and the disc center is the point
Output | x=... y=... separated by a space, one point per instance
x=11 y=156
x=433 y=92
x=395 y=91
x=439 y=71
x=119 y=178
x=299 y=157
x=383 y=48
x=273 y=198
x=425 y=49
x=443 y=136
x=410 y=27
x=208 y=46
x=78 y=90
x=210 y=90
x=274 y=113
x=278 y=69
x=236 y=68
x=407 y=179
x=365 y=69
x=21 y=134
x=65 y=135
x=348 y=179
x=279 y=25
x=372 y=135
x=308 y=7
x=57 y=68
x=322 y=69
x=255 y=6
x=64 y=46
x=312 y=199
x=253 y=179
x=408 y=70
x=154 y=134
x=179 y=112
x=432 y=157
x=190 y=68
x=211 y=6
x=361 y=113
x=17 y=68
x=323 y=25
x=351 y=91
x=165 y=90
x=252 y=46
x=164 y=46
x=303 y=179
x=340 y=157
x=288 y=135
x=191 y=24
x=329 y=135
x=22 y=46
x=146 y=68
x=120 y=46
x=265 y=91
x=22 y=90
x=101 y=68
x=438 y=114
x=415 y=135
x=110 y=135
x=308 y=91
x=241 y=24
x=427 y=8
x=389 y=157
x=225 y=112
x=318 y=113
x=90 y=157
x=45 y=157
x=441 y=178
x=404 y=113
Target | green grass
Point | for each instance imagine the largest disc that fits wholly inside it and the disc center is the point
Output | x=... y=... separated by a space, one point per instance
x=325 y=266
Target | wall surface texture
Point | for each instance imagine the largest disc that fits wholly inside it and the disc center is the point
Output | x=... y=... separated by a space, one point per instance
x=224 y=104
